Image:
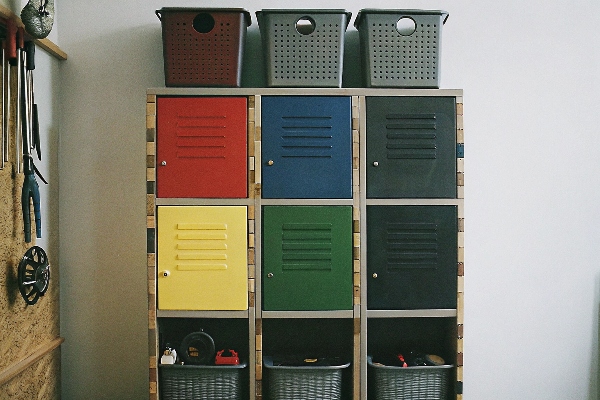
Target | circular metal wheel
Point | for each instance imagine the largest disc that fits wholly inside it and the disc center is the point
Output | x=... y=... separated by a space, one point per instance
x=34 y=274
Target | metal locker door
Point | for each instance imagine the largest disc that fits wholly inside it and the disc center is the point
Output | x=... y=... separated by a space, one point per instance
x=307 y=258
x=411 y=147
x=201 y=147
x=202 y=258
x=306 y=147
x=411 y=257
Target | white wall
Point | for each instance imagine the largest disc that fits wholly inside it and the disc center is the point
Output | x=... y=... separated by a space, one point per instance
x=529 y=71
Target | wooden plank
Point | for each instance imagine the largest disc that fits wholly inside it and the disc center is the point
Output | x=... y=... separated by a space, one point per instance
x=150 y=108
x=460 y=309
x=460 y=109
x=51 y=48
x=461 y=269
x=18 y=367
x=149 y=204
x=150 y=174
x=150 y=122
x=150 y=149
x=459 y=122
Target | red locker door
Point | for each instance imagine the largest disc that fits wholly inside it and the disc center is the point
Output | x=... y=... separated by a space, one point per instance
x=201 y=147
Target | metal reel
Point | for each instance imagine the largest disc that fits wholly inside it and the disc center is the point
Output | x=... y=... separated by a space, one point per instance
x=34 y=274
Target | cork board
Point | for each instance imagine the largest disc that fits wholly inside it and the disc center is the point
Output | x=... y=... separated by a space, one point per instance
x=23 y=328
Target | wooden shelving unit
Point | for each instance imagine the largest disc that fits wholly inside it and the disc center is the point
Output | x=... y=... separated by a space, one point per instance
x=357 y=323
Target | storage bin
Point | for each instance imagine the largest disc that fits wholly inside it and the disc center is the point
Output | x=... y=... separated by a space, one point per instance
x=203 y=46
x=185 y=382
x=284 y=382
x=409 y=383
x=303 y=48
x=400 y=48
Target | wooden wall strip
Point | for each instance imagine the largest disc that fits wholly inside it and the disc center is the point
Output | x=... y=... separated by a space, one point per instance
x=16 y=368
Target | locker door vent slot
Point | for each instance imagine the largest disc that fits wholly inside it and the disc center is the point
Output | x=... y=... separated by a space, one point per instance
x=306 y=246
x=201 y=136
x=411 y=136
x=307 y=136
x=201 y=247
x=411 y=246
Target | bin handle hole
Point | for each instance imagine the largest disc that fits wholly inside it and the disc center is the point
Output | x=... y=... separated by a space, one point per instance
x=204 y=23
x=406 y=26
x=305 y=25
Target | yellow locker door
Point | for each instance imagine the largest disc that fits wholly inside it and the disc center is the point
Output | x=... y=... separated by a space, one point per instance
x=202 y=258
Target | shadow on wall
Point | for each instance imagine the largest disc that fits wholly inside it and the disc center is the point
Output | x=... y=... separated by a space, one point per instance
x=253 y=66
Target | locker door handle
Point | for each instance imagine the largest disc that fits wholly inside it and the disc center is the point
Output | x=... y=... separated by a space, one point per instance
x=163 y=163
x=270 y=275
x=375 y=163
x=375 y=275
x=166 y=273
x=270 y=162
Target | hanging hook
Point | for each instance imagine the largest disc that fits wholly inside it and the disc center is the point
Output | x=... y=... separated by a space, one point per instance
x=42 y=8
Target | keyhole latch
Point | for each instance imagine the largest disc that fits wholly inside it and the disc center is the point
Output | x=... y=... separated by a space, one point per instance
x=376 y=163
x=270 y=162
x=375 y=275
x=163 y=163
x=166 y=273
x=270 y=275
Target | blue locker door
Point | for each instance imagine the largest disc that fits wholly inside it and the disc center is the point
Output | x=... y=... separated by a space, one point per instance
x=306 y=147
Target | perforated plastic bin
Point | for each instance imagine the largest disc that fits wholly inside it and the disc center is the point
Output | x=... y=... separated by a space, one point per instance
x=400 y=48
x=203 y=46
x=284 y=382
x=303 y=48
x=215 y=382
x=410 y=383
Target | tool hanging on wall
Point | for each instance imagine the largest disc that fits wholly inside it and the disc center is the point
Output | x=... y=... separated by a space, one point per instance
x=3 y=134
x=34 y=274
x=10 y=50
x=38 y=17
x=30 y=137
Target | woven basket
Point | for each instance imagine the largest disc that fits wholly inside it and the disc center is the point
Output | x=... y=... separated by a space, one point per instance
x=411 y=383
x=303 y=382
x=185 y=382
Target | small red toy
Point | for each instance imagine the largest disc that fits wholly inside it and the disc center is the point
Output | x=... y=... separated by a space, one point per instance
x=227 y=357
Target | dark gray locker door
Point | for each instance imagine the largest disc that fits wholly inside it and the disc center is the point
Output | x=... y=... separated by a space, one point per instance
x=411 y=257
x=411 y=147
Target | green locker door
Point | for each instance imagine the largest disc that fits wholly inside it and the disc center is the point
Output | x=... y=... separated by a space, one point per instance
x=307 y=258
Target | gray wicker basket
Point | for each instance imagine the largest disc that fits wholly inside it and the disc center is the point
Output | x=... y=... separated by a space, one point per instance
x=297 y=57
x=410 y=383
x=214 y=382
x=303 y=382
x=397 y=55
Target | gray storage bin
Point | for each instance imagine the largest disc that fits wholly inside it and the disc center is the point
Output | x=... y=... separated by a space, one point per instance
x=215 y=382
x=303 y=48
x=408 y=383
x=400 y=48
x=303 y=382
